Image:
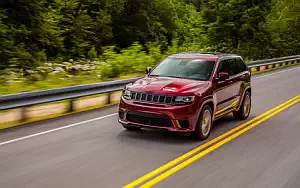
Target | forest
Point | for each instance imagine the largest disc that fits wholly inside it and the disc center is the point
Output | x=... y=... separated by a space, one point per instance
x=54 y=43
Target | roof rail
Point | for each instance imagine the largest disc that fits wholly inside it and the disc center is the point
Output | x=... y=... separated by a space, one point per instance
x=207 y=53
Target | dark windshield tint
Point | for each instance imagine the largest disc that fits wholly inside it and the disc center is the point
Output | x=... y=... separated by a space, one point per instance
x=184 y=68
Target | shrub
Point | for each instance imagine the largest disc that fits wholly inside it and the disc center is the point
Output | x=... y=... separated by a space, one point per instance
x=92 y=53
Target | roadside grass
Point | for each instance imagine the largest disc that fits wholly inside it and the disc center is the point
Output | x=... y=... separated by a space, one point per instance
x=54 y=82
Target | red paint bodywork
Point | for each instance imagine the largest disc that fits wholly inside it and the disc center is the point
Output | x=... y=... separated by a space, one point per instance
x=218 y=94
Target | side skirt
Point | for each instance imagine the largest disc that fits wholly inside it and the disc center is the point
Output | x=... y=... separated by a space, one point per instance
x=218 y=116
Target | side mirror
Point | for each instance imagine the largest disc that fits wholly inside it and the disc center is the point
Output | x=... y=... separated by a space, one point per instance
x=148 y=70
x=223 y=76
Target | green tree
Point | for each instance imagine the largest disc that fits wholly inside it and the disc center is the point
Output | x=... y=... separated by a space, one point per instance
x=146 y=21
x=34 y=31
x=6 y=42
x=31 y=25
x=284 y=26
x=229 y=24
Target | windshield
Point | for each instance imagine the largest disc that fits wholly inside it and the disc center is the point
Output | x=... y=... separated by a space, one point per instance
x=196 y=69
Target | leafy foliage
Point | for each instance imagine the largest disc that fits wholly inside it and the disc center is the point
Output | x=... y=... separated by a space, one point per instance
x=129 y=35
x=284 y=26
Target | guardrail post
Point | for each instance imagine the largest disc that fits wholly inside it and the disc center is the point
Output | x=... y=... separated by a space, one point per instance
x=23 y=114
x=71 y=106
x=258 y=68
x=108 y=98
x=274 y=65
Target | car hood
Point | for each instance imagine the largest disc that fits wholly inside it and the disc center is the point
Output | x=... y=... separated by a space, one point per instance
x=166 y=85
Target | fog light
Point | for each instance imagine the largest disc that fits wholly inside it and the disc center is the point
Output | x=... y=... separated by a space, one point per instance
x=184 y=124
x=122 y=115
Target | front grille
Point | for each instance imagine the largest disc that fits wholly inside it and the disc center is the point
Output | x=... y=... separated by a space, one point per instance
x=137 y=96
x=149 y=119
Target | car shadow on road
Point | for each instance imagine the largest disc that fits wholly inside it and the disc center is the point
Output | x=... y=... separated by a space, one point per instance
x=164 y=137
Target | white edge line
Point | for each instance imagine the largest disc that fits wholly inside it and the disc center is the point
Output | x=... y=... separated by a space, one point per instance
x=57 y=129
x=102 y=117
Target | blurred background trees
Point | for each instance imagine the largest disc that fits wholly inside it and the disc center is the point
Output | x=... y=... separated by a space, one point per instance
x=132 y=34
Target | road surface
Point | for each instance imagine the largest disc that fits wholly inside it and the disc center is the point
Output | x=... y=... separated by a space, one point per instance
x=91 y=149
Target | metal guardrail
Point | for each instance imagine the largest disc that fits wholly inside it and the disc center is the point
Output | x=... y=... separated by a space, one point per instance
x=274 y=62
x=69 y=93
x=52 y=95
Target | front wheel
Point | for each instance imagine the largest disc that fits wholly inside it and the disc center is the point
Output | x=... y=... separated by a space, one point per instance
x=245 y=108
x=203 y=127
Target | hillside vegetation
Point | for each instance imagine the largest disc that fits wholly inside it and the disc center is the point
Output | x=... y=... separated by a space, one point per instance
x=55 y=43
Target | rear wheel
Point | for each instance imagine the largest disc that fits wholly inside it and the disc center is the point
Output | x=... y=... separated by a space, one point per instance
x=204 y=123
x=245 y=108
x=131 y=128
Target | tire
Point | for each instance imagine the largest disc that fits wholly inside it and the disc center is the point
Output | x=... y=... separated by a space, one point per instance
x=131 y=128
x=245 y=108
x=204 y=124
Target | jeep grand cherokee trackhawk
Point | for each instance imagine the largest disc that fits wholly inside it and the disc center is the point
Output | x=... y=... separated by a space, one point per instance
x=186 y=92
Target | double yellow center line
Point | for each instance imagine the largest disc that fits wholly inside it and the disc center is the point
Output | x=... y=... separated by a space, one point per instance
x=161 y=173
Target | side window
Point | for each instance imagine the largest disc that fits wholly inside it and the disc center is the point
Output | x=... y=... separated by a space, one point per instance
x=234 y=65
x=241 y=65
x=225 y=67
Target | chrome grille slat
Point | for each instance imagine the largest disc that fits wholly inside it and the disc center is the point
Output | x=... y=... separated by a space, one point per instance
x=139 y=96
x=149 y=98
x=152 y=98
x=135 y=95
x=162 y=99
x=155 y=98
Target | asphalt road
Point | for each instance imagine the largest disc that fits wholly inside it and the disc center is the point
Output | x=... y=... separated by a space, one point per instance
x=100 y=153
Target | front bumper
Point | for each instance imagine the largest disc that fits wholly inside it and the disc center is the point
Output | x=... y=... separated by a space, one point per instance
x=159 y=116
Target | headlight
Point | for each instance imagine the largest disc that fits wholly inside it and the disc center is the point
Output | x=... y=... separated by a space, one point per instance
x=127 y=94
x=184 y=99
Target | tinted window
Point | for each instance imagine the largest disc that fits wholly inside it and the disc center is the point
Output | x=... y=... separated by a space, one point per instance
x=240 y=63
x=225 y=66
x=196 y=69
x=234 y=65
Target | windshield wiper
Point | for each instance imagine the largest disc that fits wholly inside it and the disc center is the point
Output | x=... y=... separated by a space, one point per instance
x=176 y=77
x=166 y=76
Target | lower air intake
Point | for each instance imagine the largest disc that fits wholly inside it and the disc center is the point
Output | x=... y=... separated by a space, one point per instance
x=149 y=119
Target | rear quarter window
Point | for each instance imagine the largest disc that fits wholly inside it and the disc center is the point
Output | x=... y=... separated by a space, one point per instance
x=241 y=65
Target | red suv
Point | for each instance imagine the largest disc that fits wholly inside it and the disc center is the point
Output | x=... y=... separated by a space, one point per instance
x=186 y=92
